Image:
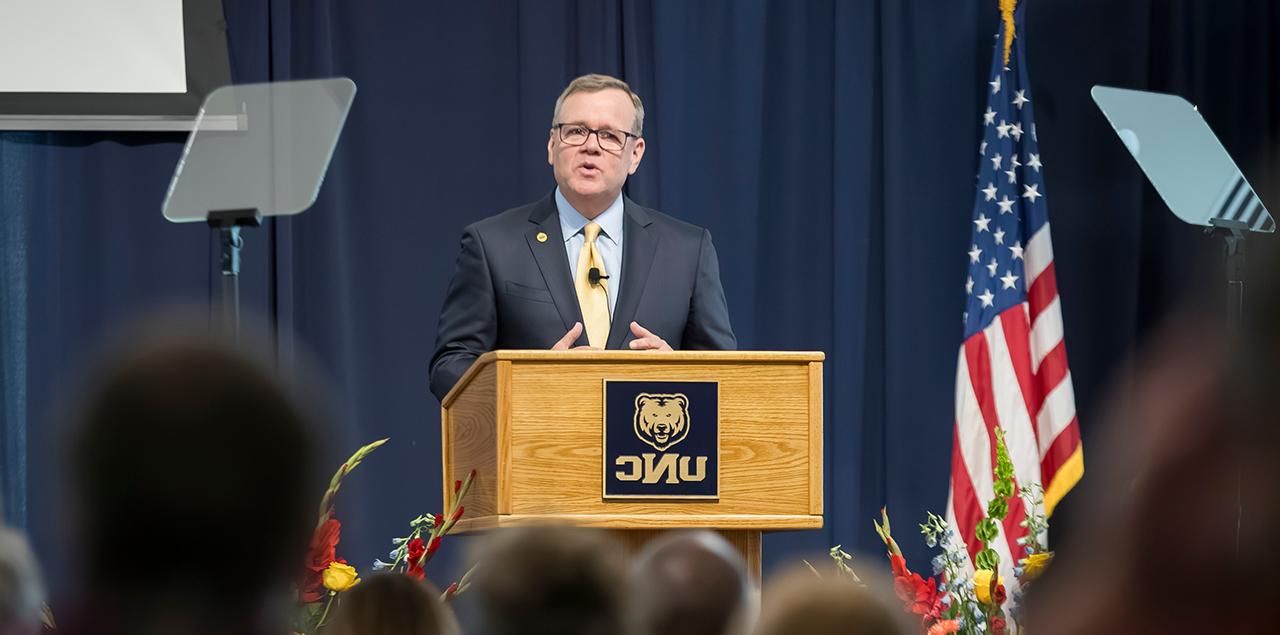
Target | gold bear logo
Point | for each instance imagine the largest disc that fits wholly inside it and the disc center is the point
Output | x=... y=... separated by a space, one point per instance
x=662 y=420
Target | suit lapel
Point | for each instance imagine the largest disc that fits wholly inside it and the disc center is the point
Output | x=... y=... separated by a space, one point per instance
x=639 y=245
x=552 y=261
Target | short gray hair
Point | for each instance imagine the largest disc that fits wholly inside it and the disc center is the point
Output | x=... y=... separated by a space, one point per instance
x=595 y=83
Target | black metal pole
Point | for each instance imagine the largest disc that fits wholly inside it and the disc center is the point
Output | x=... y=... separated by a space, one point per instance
x=1235 y=330
x=230 y=300
x=1234 y=233
x=228 y=224
x=1235 y=282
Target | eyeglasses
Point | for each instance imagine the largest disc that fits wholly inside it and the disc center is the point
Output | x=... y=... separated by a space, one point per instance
x=576 y=134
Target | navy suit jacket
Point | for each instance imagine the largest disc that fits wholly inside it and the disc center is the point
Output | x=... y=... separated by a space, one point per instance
x=511 y=290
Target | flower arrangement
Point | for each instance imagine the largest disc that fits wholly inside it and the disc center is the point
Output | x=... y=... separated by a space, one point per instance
x=956 y=599
x=412 y=552
x=326 y=576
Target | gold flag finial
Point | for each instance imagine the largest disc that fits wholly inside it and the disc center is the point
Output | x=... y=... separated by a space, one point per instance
x=1006 y=14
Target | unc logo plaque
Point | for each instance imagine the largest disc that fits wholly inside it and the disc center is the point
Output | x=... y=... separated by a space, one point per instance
x=661 y=439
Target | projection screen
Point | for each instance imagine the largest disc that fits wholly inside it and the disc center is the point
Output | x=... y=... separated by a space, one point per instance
x=109 y=65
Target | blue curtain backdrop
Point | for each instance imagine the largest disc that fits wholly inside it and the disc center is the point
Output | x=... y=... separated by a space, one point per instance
x=829 y=146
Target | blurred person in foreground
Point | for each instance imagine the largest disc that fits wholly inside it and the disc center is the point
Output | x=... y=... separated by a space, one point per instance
x=195 y=473
x=1181 y=516
x=690 y=583
x=545 y=580
x=21 y=589
x=800 y=602
x=392 y=604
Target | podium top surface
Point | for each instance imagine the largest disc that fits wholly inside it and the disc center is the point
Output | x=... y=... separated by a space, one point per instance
x=632 y=357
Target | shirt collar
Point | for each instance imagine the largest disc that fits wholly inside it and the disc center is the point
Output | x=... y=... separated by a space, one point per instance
x=572 y=222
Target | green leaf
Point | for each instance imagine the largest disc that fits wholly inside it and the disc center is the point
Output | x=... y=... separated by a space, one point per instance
x=811 y=569
x=987 y=559
x=1003 y=488
x=986 y=531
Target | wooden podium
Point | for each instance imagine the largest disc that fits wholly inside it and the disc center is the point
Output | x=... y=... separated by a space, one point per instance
x=531 y=424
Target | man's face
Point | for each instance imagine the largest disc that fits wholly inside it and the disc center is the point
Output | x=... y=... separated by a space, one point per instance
x=588 y=171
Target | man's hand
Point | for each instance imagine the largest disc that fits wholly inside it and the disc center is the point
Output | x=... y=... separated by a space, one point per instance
x=569 y=338
x=647 y=341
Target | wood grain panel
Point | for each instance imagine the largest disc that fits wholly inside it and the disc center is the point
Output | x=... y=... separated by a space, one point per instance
x=815 y=438
x=646 y=521
x=530 y=422
x=471 y=441
x=556 y=437
x=503 y=425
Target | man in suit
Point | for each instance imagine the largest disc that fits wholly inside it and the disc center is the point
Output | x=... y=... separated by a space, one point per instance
x=585 y=266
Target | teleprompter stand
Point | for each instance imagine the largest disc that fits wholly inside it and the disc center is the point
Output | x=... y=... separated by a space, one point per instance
x=228 y=223
x=271 y=164
x=1201 y=184
x=1234 y=234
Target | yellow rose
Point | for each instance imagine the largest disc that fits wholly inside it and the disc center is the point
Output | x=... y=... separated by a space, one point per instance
x=982 y=585
x=1035 y=565
x=340 y=577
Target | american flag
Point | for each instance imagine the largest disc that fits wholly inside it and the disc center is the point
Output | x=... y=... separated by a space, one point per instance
x=1012 y=369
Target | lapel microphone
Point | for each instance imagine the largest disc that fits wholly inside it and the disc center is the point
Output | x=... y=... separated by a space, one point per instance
x=594 y=277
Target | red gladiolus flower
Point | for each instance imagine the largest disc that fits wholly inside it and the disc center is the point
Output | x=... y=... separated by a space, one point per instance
x=439 y=520
x=415 y=550
x=899 y=565
x=324 y=544
x=998 y=625
x=322 y=552
x=416 y=572
x=919 y=595
x=457 y=486
x=434 y=544
x=457 y=514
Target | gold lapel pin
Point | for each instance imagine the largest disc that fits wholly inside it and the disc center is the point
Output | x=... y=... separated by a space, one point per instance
x=542 y=237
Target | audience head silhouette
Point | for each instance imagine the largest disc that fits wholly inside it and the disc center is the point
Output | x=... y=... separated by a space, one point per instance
x=803 y=603
x=195 y=472
x=392 y=604
x=690 y=583
x=551 y=581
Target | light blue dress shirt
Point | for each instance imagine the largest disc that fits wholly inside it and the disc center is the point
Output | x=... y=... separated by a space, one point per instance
x=608 y=243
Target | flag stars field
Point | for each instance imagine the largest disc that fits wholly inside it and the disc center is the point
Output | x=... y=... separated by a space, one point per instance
x=1020 y=98
x=1032 y=192
x=1006 y=204
x=1010 y=281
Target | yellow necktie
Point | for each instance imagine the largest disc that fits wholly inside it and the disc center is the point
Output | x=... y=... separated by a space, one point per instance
x=593 y=299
